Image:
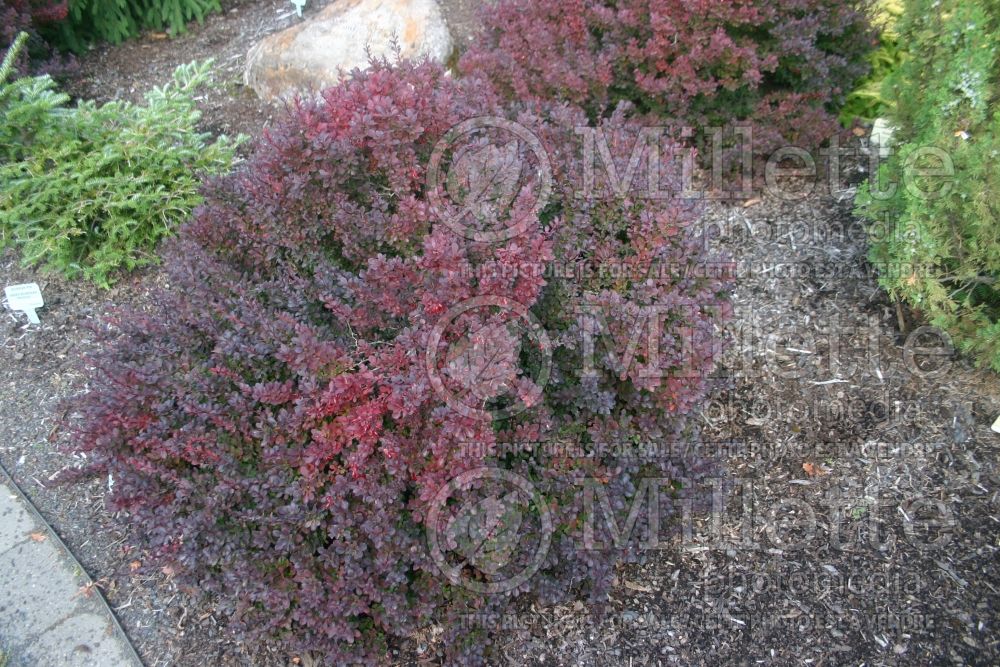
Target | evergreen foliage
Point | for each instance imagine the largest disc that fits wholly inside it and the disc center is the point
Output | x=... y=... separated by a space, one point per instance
x=90 y=190
x=935 y=203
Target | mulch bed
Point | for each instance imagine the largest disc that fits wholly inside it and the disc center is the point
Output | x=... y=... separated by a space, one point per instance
x=824 y=417
x=815 y=558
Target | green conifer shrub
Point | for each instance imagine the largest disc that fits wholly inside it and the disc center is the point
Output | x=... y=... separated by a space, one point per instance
x=934 y=203
x=90 y=190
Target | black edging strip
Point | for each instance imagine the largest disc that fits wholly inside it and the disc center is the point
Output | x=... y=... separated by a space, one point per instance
x=38 y=515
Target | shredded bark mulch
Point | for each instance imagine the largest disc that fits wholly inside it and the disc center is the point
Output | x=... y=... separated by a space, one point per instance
x=861 y=525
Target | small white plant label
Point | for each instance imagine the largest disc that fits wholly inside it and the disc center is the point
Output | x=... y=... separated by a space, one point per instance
x=996 y=426
x=25 y=298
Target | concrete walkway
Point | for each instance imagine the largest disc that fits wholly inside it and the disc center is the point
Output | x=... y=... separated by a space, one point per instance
x=49 y=612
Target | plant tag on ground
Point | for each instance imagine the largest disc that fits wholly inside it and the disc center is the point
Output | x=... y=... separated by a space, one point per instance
x=996 y=425
x=25 y=298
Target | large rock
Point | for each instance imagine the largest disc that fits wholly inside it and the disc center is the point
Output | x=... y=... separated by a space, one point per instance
x=320 y=51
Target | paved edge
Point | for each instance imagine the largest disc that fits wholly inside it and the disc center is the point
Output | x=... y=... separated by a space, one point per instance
x=100 y=614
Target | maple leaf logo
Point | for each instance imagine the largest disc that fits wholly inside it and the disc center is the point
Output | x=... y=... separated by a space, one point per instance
x=485 y=533
x=481 y=526
x=484 y=363
x=484 y=180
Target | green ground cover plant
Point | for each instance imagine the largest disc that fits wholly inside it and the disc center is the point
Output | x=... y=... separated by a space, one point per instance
x=91 y=190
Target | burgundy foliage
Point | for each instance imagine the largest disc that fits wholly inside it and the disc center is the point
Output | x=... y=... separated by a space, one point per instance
x=33 y=17
x=779 y=65
x=270 y=423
